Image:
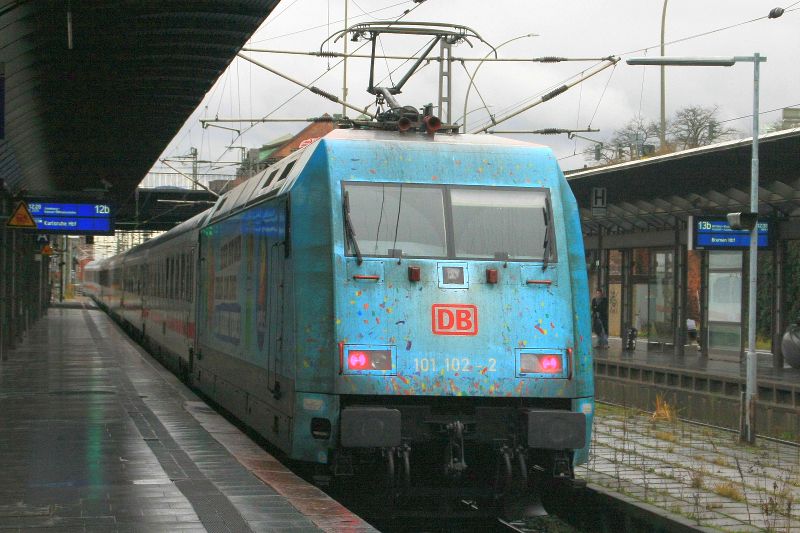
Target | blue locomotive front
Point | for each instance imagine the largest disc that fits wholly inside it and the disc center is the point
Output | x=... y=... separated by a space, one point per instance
x=440 y=301
x=397 y=304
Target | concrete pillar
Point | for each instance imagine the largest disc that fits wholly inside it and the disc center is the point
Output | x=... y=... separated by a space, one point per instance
x=627 y=289
x=703 y=333
x=679 y=278
x=779 y=321
x=3 y=277
x=602 y=257
x=13 y=315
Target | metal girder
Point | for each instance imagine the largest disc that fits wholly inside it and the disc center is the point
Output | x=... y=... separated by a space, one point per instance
x=666 y=206
x=626 y=217
x=651 y=219
x=718 y=198
x=738 y=196
x=646 y=206
x=784 y=190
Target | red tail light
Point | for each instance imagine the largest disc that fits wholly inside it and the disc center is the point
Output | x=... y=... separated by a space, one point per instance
x=357 y=361
x=538 y=363
x=550 y=363
x=369 y=360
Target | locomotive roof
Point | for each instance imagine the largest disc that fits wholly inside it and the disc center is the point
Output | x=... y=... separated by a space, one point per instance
x=263 y=184
x=438 y=138
x=279 y=176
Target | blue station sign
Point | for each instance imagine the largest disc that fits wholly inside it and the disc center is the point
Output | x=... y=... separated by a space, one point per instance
x=714 y=233
x=72 y=219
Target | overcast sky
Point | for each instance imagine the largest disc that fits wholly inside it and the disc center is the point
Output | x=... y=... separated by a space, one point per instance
x=573 y=28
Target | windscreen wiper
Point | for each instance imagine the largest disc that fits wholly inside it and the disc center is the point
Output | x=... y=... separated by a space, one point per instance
x=348 y=227
x=546 y=244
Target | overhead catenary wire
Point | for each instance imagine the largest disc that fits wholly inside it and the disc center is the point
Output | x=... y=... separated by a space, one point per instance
x=600 y=100
x=317 y=53
x=703 y=34
x=222 y=86
x=721 y=122
x=406 y=12
x=511 y=107
x=684 y=39
x=472 y=83
x=312 y=28
x=284 y=10
x=611 y=61
x=312 y=88
x=196 y=182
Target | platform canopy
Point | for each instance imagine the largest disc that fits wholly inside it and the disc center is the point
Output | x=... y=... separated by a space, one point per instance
x=94 y=91
x=658 y=193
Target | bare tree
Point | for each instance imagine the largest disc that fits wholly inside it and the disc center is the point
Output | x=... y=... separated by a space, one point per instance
x=628 y=142
x=636 y=133
x=695 y=126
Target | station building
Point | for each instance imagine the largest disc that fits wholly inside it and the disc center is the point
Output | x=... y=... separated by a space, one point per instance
x=640 y=252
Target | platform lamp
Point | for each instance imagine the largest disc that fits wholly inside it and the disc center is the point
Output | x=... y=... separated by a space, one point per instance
x=747 y=426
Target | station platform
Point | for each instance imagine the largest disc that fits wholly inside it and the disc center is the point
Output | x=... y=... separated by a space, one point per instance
x=96 y=436
x=663 y=356
x=705 y=389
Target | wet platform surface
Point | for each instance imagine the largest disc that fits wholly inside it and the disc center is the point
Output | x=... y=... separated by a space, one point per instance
x=96 y=436
x=693 y=360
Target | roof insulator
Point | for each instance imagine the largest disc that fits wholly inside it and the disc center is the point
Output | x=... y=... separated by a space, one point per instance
x=554 y=93
x=775 y=12
x=324 y=94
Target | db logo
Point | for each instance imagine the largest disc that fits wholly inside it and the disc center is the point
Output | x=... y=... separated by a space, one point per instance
x=454 y=319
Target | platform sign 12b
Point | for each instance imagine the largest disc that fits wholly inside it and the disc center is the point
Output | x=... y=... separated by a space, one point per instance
x=714 y=233
x=72 y=218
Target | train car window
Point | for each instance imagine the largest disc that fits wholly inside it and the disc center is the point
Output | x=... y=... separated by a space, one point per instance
x=490 y=223
x=286 y=171
x=271 y=177
x=184 y=278
x=389 y=219
x=191 y=277
x=170 y=277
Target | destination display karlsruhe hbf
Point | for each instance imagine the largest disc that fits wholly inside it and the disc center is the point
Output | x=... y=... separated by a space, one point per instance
x=72 y=219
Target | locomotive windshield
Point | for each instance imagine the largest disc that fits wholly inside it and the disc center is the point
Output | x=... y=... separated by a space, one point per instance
x=393 y=219
x=493 y=223
x=388 y=217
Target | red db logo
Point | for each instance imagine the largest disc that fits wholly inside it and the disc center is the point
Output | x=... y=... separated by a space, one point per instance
x=454 y=319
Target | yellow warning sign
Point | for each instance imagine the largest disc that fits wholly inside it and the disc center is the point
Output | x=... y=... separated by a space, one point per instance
x=47 y=250
x=21 y=217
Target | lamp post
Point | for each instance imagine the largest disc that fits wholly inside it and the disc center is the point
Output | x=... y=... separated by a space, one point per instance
x=474 y=72
x=662 y=134
x=747 y=427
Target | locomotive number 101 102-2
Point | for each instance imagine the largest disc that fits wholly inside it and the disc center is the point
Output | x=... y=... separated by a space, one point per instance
x=453 y=364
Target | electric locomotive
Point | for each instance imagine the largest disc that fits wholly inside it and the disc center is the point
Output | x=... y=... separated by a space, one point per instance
x=409 y=304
